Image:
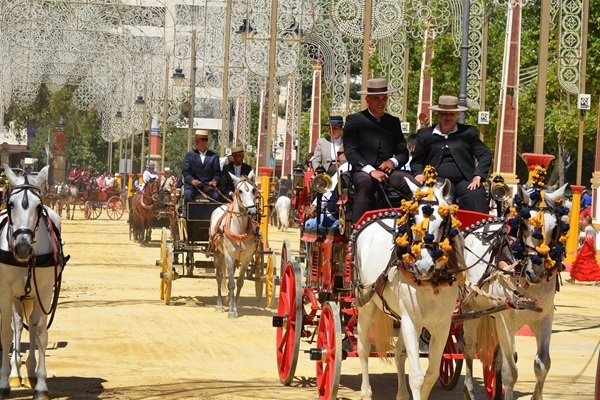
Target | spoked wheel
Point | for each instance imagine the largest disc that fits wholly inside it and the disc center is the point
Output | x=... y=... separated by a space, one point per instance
x=96 y=210
x=259 y=258
x=286 y=254
x=329 y=347
x=492 y=378
x=597 y=393
x=58 y=207
x=161 y=262
x=114 y=208
x=270 y=280
x=288 y=322
x=452 y=359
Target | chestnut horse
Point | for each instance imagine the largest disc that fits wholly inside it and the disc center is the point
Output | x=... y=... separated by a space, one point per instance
x=143 y=204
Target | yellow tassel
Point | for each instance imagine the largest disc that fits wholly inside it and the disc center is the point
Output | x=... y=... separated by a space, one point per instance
x=402 y=241
x=542 y=249
x=445 y=245
x=407 y=257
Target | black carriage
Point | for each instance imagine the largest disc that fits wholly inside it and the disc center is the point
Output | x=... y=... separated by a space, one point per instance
x=179 y=257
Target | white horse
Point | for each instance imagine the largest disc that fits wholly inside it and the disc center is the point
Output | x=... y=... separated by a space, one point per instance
x=419 y=289
x=513 y=262
x=282 y=207
x=30 y=268
x=233 y=240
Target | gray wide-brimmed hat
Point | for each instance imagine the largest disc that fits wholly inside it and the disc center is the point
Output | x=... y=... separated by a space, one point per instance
x=448 y=103
x=377 y=86
x=237 y=150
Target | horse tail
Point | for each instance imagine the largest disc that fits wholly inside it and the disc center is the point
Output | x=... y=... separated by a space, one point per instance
x=382 y=331
x=456 y=260
x=487 y=339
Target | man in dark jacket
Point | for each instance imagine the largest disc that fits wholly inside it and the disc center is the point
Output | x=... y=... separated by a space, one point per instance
x=236 y=167
x=375 y=147
x=457 y=153
x=201 y=169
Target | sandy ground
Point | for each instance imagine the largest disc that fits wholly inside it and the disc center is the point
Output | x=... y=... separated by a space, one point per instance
x=113 y=338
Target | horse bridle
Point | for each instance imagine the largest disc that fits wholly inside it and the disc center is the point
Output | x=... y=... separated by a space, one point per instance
x=25 y=187
x=245 y=181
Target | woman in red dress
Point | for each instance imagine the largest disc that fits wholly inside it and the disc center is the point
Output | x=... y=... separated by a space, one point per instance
x=585 y=268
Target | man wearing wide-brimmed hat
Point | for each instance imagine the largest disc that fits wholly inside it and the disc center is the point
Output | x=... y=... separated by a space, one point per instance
x=375 y=147
x=201 y=169
x=236 y=167
x=457 y=153
x=149 y=173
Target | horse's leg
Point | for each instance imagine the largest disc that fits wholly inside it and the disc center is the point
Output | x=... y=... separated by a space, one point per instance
x=38 y=334
x=437 y=342
x=510 y=372
x=219 y=270
x=365 y=316
x=541 y=364
x=6 y=339
x=411 y=342
x=470 y=337
x=240 y=279
x=400 y=358
x=231 y=287
x=15 y=360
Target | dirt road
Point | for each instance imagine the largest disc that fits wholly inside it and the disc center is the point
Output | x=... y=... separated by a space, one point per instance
x=112 y=337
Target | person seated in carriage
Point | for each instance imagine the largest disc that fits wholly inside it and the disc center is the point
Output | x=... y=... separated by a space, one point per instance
x=75 y=177
x=201 y=171
x=375 y=147
x=149 y=173
x=236 y=167
x=457 y=153
x=109 y=182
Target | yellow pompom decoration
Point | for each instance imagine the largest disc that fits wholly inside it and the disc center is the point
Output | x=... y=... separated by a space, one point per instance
x=537 y=177
x=549 y=263
x=542 y=249
x=402 y=241
x=421 y=228
x=445 y=245
x=416 y=249
x=430 y=174
x=407 y=258
x=442 y=259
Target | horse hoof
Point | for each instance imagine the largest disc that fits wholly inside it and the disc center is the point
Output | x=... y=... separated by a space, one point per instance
x=232 y=315
x=218 y=309
x=15 y=381
x=40 y=395
x=4 y=393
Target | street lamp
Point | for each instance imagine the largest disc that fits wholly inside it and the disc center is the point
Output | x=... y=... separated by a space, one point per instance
x=141 y=104
x=119 y=119
x=178 y=76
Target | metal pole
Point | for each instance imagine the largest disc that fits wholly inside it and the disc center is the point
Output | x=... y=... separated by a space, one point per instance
x=366 y=42
x=144 y=121
x=464 y=58
x=271 y=83
x=540 y=112
x=192 y=92
x=582 y=73
x=165 y=115
x=224 y=103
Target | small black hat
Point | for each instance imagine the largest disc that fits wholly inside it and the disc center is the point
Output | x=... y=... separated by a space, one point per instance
x=336 y=120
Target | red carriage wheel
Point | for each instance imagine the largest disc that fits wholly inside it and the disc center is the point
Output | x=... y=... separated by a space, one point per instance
x=96 y=209
x=597 y=393
x=452 y=359
x=87 y=210
x=329 y=343
x=285 y=254
x=114 y=208
x=288 y=322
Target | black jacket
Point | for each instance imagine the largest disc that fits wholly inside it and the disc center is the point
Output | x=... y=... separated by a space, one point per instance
x=369 y=142
x=470 y=154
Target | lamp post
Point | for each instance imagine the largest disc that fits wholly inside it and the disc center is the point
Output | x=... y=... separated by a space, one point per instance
x=119 y=118
x=141 y=104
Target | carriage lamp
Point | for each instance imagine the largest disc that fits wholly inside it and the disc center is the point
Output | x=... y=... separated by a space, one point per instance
x=298 y=179
x=321 y=182
x=500 y=192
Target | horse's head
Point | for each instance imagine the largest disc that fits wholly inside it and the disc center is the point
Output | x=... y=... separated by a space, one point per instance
x=24 y=208
x=428 y=236
x=539 y=231
x=245 y=192
x=151 y=188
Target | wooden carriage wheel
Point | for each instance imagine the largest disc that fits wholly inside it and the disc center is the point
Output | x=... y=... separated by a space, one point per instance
x=166 y=269
x=58 y=207
x=92 y=209
x=597 y=392
x=162 y=261
x=288 y=322
x=329 y=342
x=452 y=358
x=114 y=208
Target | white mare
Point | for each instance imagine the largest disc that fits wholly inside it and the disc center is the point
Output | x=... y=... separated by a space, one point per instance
x=283 y=205
x=420 y=291
x=233 y=240
x=532 y=238
x=31 y=263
